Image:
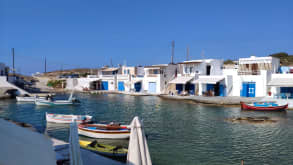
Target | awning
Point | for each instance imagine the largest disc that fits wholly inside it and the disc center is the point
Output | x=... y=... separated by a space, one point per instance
x=208 y=80
x=181 y=80
x=281 y=82
x=137 y=81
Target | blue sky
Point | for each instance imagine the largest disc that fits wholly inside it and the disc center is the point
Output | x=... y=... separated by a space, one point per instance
x=88 y=33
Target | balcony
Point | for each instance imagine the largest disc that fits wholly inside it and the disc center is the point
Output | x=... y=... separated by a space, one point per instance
x=249 y=72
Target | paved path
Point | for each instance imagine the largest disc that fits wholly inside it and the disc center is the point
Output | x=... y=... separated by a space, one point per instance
x=214 y=99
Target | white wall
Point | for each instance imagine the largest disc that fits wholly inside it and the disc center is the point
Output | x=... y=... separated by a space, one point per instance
x=81 y=83
x=112 y=82
x=146 y=80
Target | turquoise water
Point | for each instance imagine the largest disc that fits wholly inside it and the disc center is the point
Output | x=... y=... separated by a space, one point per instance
x=178 y=132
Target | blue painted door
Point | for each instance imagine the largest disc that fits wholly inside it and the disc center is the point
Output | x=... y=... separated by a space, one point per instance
x=244 y=90
x=191 y=89
x=221 y=90
x=121 y=86
x=137 y=86
x=152 y=87
x=210 y=87
x=251 y=90
x=179 y=88
x=248 y=89
x=105 y=85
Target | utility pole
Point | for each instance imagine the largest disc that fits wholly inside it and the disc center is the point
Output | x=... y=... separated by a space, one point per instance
x=13 y=68
x=45 y=65
x=187 y=53
x=111 y=64
x=172 y=55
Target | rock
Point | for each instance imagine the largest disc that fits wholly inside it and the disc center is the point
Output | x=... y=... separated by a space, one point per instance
x=256 y=120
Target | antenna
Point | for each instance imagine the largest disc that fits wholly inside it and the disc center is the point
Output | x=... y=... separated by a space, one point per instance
x=45 y=65
x=172 y=55
x=111 y=64
x=187 y=53
x=202 y=54
x=13 y=68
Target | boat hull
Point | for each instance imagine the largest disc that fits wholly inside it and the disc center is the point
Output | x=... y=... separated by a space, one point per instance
x=28 y=99
x=103 y=135
x=259 y=108
x=104 y=131
x=106 y=150
x=59 y=118
x=52 y=103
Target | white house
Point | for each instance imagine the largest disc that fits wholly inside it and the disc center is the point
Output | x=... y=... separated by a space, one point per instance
x=199 y=76
x=156 y=78
x=252 y=76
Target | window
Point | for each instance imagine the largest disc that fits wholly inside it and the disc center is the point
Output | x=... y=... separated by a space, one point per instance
x=186 y=69
x=128 y=71
x=124 y=71
x=190 y=69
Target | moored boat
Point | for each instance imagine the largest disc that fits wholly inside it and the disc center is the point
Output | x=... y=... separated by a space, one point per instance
x=61 y=118
x=50 y=102
x=103 y=149
x=104 y=131
x=263 y=106
x=28 y=98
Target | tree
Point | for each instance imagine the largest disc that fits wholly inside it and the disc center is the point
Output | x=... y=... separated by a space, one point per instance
x=228 y=62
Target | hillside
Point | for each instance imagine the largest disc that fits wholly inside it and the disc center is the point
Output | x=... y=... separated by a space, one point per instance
x=285 y=59
x=80 y=71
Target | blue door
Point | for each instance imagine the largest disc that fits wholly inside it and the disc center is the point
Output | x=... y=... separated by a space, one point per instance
x=105 y=85
x=121 y=86
x=251 y=90
x=179 y=88
x=221 y=90
x=152 y=87
x=191 y=89
x=244 y=92
x=210 y=87
x=248 y=89
x=137 y=86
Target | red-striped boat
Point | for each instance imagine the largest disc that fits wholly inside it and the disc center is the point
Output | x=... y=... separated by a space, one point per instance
x=263 y=106
x=104 y=131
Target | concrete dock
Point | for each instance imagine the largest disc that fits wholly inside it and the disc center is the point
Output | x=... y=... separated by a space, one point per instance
x=217 y=100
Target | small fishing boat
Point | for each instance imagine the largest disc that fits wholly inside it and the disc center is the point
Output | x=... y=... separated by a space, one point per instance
x=103 y=149
x=104 y=131
x=60 y=118
x=263 y=106
x=51 y=102
x=28 y=98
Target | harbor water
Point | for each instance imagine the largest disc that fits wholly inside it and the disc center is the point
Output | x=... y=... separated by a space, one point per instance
x=178 y=132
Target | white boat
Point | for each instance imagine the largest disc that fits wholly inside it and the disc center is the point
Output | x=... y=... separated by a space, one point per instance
x=104 y=131
x=28 y=98
x=61 y=118
x=50 y=102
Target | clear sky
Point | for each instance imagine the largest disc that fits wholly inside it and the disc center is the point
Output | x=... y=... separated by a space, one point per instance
x=88 y=33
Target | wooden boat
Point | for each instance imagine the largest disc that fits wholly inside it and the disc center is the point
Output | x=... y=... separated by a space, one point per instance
x=107 y=150
x=264 y=106
x=60 y=118
x=104 y=131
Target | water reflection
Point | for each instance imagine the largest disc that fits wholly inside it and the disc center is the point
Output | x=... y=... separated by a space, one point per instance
x=179 y=132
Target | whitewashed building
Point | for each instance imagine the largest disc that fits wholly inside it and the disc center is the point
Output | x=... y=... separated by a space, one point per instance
x=197 y=77
x=156 y=78
x=252 y=76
